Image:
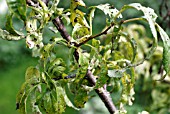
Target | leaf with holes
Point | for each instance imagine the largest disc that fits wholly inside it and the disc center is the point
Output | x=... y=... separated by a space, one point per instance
x=108 y=10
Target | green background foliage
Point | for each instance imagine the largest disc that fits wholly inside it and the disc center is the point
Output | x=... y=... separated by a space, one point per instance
x=150 y=95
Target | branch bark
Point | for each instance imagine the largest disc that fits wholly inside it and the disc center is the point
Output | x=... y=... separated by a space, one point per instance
x=103 y=93
x=60 y=26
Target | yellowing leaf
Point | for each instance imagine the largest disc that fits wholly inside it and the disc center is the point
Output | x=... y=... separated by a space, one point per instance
x=32 y=72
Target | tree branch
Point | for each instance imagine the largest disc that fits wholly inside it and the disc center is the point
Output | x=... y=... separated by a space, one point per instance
x=103 y=94
x=60 y=26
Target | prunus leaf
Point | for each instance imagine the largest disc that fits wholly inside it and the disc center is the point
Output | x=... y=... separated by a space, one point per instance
x=18 y=7
x=81 y=98
x=32 y=72
x=150 y=16
x=10 y=28
x=108 y=10
x=166 y=50
x=7 y=36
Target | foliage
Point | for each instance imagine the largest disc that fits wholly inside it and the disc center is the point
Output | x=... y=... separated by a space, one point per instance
x=110 y=59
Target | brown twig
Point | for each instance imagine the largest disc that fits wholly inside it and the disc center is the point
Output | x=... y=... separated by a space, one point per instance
x=103 y=94
x=60 y=26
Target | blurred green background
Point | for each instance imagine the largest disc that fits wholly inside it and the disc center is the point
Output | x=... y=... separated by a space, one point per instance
x=15 y=58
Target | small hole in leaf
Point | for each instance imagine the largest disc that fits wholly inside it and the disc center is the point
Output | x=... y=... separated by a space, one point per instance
x=75 y=20
x=37 y=46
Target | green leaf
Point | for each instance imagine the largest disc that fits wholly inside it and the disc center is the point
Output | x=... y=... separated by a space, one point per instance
x=81 y=98
x=83 y=59
x=18 y=7
x=102 y=78
x=127 y=48
x=166 y=50
x=23 y=94
x=90 y=18
x=59 y=103
x=68 y=102
x=150 y=16
x=80 y=31
x=56 y=68
x=66 y=17
x=10 y=28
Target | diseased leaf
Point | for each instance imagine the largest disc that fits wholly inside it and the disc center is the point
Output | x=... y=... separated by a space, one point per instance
x=128 y=91
x=116 y=73
x=7 y=36
x=59 y=103
x=81 y=98
x=80 y=31
x=107 y=9
x=68 y=102
x=18 y=7
x=102 y=78
x=10 y=28
x=48 y=102
x=77 y=16
x=166 y=50
x=21 y=98
x=83 y=59
x=150 y=16
x=32 y=72
x=21 y=106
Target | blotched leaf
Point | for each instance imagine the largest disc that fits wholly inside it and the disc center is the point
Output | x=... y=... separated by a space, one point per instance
x=150 y=16
x=7 y=36
x=18 y=7
x=166 y=50
x=116 y=73
x=83 y=59
x=32 y=72
x=77 y=16
x=81 y=98
x=10 y=28
x=102 y=76
x=80 y=31
x=21 y=98
x=108 y=10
